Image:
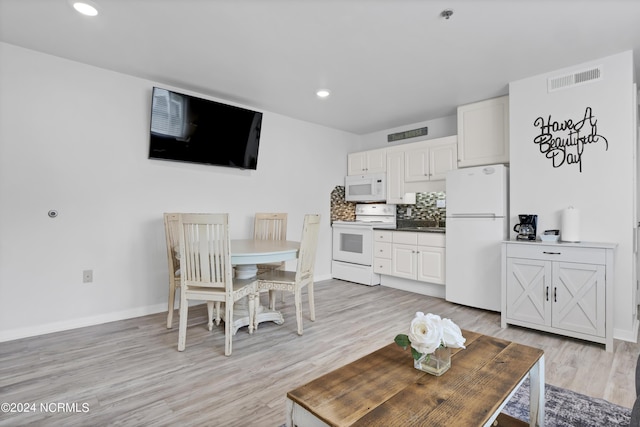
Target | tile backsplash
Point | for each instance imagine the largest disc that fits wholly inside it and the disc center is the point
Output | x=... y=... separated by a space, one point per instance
x=341 y=210
x=425 y=209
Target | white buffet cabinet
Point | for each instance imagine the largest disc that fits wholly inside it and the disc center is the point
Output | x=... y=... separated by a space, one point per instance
x=562 y=288
x=412 y=261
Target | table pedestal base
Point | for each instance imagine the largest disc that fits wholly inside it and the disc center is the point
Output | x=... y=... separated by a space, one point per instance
x=241 y=315
x=241 y=307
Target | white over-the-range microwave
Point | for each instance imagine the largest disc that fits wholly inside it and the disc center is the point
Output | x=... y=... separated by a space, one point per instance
x=366 y=188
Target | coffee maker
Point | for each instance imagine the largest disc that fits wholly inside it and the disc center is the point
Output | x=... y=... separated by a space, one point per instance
x=526 y=229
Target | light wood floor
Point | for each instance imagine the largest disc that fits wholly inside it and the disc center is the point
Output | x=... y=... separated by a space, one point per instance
x=130 y=373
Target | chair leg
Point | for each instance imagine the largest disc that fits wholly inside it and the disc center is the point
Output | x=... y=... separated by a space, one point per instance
x=312 y=305
x=298 y=303
x=218 y=313
x=272 y=299
x=228 y=327
x=210 y=314
x=172 y=300
x=182 y=329
x=252 y=311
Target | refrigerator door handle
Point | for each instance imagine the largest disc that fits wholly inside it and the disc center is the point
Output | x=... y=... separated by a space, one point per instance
x=474 y=215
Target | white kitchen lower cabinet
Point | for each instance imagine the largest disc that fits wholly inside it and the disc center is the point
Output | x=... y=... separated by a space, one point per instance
x=410 y=255
x=563 y=288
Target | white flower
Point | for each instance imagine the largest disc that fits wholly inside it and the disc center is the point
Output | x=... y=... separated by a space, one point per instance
x=426 y=332
x=452 y=335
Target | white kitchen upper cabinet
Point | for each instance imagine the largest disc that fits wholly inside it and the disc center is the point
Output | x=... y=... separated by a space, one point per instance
x=416 y=164
x=364 y=162
x=442 y=158
x=483 y=132
x=430 y=160
x=395 y=176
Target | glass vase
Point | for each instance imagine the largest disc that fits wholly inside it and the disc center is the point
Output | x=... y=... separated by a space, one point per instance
x=436 y=363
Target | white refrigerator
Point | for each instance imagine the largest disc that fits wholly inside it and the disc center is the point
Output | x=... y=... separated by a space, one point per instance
x=477 y=223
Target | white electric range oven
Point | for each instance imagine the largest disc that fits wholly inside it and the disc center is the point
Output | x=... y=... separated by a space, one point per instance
x=353 y=243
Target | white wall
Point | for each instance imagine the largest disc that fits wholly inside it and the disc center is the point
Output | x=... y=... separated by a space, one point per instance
x=74 y=138
x=438 y=128
x=605 y=189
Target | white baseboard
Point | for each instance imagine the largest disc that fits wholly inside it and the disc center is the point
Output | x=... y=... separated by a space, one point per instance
x=65 y=325
x=429 y=289
x=626 y=335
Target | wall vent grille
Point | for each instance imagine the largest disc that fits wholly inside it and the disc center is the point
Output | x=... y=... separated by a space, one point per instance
x=574 y=79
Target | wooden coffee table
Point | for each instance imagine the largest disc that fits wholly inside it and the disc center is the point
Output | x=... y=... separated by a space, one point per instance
x=384 y=389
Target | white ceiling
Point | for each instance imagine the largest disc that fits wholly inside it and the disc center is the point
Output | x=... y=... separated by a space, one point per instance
x=388 y=63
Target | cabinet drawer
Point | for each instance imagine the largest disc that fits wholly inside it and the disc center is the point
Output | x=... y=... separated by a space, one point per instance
x=557 y=253
x=382 y=266
x=432 y=239
x=382 y=250
x=405 y=238
x=382 y=236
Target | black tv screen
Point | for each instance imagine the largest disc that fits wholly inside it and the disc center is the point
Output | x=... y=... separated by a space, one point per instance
x=185 y=128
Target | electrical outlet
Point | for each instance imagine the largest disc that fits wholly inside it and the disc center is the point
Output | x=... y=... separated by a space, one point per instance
x=440 y=203
x=87 y=276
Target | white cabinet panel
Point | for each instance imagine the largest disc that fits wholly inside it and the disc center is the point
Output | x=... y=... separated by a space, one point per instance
x=404 y=262
x=431 y=265
x=366 y=162
x=395 y=176
x=483 y=132
x=528 y=288
x=578 y=298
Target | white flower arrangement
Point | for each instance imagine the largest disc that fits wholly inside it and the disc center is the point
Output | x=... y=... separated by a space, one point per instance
x=428 y=332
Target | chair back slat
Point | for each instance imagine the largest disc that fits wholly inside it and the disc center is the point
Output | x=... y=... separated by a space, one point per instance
x=308 y=247
x=204 y=250
x=270 y=226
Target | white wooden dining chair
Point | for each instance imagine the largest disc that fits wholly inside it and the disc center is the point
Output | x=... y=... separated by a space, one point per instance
x=172 y=236
x=206 y=274
x=295 y=281
x=270 y=226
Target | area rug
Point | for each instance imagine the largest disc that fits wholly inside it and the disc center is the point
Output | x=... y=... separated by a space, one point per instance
x=565 y=408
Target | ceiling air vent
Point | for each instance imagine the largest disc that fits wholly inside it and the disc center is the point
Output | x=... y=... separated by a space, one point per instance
x=574 y=79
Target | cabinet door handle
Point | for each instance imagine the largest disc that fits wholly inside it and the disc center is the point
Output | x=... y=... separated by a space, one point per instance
x=552 y=253
x=546 y=295
x=555 y=294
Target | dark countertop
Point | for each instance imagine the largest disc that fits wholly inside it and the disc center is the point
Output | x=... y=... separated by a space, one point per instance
x=423 y=229
x=422 y=226
x=415 y=229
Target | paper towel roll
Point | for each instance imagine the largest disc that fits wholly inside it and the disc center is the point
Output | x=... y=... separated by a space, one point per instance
x=570 y=225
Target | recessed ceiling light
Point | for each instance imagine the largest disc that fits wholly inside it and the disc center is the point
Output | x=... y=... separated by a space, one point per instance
x=323 y=93
x=85 y=8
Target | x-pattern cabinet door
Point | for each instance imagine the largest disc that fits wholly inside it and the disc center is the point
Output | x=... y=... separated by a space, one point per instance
x=579 y=297
x=528 y=287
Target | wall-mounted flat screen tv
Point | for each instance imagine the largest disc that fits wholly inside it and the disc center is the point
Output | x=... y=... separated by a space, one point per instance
x=185 y=128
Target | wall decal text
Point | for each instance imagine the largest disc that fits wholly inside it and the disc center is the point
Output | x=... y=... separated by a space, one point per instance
x=564 y=141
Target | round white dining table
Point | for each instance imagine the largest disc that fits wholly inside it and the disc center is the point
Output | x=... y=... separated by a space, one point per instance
x=245 y=255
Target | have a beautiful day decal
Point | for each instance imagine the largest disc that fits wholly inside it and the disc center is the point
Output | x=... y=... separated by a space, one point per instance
x=563 y=142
